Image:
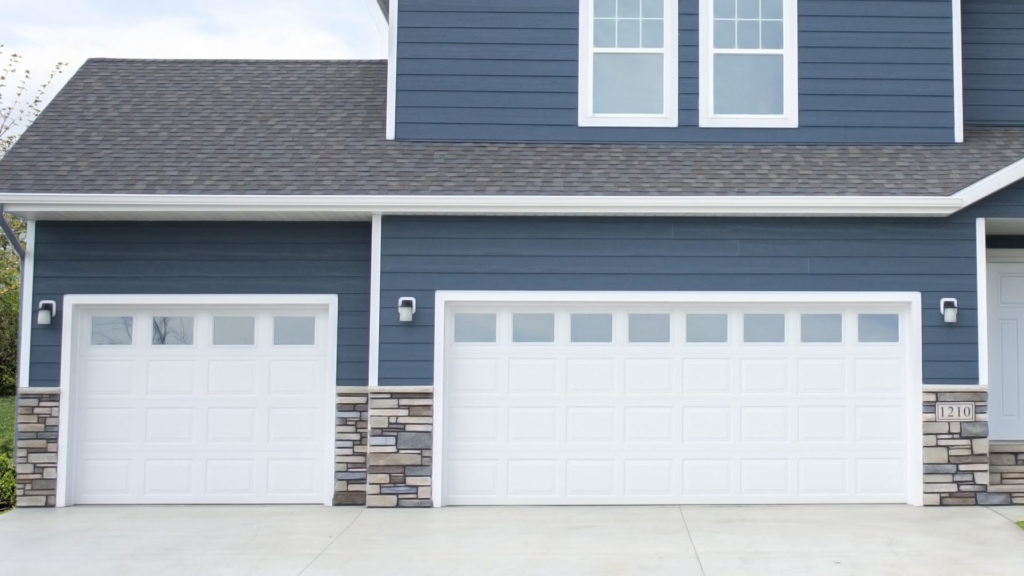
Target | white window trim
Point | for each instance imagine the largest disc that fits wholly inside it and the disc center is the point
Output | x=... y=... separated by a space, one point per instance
x=913 y=335
x=670 y=119
x=790 y=117
x=74 y=302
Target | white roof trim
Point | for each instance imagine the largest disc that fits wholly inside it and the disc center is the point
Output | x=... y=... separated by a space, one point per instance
x=991 y=184
x=191 y=206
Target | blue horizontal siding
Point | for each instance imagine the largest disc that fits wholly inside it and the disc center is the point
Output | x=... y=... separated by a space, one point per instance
x=205 y=258
x=870 y=71
x=423 y=254
x=993 y=45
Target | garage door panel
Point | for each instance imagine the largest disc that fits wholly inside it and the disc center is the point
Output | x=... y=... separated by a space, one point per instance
x=232 y=378
x=719 y=420
x=178 y=419
x=171 y=377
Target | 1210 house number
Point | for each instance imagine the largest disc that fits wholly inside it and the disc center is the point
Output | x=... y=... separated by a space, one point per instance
x=959 y=412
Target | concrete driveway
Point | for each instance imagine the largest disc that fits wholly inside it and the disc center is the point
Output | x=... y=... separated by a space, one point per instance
x=671 y=540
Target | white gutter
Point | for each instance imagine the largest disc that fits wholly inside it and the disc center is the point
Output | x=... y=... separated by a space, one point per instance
x=192 y=206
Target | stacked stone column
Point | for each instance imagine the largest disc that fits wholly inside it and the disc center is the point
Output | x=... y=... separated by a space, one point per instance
x=956 y=459
x=350 y=436
x=36 y=434
x=401 y=447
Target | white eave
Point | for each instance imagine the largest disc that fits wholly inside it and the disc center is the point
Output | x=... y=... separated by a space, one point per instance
x=364 y=206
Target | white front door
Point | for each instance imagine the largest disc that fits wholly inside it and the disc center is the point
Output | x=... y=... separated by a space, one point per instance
x=652 y=403
x=1006 y=339
x=192 y=404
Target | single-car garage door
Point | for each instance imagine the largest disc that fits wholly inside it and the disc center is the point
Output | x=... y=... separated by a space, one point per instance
x=675 y=403
x=201 y=404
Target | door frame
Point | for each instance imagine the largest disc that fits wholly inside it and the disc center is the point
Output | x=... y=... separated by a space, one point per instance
x=915 y=381
x=72 y=303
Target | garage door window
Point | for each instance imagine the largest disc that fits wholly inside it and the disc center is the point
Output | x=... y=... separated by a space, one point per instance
x=764 y=328
x=591 y=328
x=111 y=331
x=294 y=330
x=707 y=328
x=173 y=330
x=649 y=328
x=533 y=328
x=821 y=328
x=880 y=328
x=234 y=331
x=476 y=328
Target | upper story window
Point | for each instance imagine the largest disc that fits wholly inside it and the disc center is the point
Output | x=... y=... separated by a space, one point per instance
x=628 y=63
x=748 y=64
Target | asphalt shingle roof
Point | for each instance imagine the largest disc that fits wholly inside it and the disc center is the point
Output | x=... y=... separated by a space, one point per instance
x=317 y=127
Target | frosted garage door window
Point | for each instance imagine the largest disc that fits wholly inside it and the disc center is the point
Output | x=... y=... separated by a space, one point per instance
x=234 y=330
x=294 y=330
x=820 y=328
x=878 y=328
x=707 y=328
x=764 y=328
x=111 y=331
x=475 y=328
x=528 y=328
x=591 y=328
x=650 y=328
x=173 y=330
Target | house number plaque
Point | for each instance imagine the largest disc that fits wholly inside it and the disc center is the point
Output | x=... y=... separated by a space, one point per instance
x=954 y=411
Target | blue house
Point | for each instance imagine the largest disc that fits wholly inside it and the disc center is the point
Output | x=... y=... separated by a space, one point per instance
x=549 y=252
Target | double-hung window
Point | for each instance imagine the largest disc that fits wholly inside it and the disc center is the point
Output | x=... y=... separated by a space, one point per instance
x=748 y=64
x=628 y=63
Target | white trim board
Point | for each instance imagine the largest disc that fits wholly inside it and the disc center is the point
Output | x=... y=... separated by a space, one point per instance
x=914 y=453
x=958 y=73
x=72 y=302
x=392 y=96
x=26 y=323
x=981 y=272
x=374 y=352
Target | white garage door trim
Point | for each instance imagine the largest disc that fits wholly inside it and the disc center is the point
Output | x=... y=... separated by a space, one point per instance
x=912 y=301
x=69 y=312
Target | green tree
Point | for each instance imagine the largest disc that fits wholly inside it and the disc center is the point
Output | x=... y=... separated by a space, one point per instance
x=20 y=104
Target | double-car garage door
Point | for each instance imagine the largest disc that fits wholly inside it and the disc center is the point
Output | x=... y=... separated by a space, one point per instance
x=675 y=403
x=201 y=404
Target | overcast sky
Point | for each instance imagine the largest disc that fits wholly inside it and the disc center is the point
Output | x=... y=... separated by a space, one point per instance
x=45 y=32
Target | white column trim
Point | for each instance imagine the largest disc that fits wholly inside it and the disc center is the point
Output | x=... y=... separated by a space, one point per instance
x=958 y=73
x=981 y=256
x=373 y=376
x=28 y=271
x=392 y=68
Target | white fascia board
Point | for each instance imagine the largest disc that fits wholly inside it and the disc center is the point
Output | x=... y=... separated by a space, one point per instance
x=991 y=184
x=260 y=207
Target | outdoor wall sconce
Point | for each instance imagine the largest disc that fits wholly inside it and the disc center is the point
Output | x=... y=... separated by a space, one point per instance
x=949 y=308
x=47 y=310
x=406 y=308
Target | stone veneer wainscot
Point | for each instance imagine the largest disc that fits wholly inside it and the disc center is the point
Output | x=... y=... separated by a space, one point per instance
x=956 y=461
x=350 y=445
x=401 y=447
x=36 y=434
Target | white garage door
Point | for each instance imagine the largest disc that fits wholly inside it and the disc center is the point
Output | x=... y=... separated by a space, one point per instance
x=201 y=404
x=675 y=403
